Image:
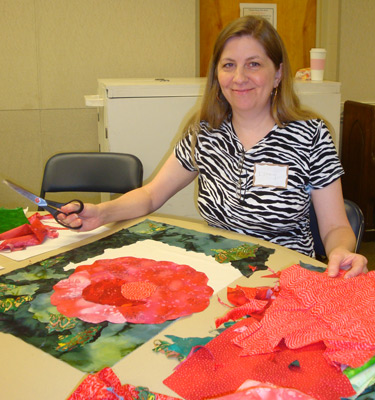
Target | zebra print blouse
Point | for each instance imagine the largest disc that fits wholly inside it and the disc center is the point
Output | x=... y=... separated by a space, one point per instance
x=265 y=191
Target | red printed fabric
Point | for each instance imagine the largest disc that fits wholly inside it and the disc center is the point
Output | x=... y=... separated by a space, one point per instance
x=26 y=235
x=218 y=369
x=241 y=295
x=105 y=385
x=313 y=307
x=247 y=301
x=251 y=307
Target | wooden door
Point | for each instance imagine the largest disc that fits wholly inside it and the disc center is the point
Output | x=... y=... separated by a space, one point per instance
x=358 y=149
x=296 y=24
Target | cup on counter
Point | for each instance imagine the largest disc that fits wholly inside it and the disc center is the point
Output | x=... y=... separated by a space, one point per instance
x=317 y=63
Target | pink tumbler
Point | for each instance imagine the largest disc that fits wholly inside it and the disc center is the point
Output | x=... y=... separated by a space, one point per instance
x=317 y=63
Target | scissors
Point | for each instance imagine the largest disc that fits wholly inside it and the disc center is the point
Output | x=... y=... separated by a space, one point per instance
x=52 y=207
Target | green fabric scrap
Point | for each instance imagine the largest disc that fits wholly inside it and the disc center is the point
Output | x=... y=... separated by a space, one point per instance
x=362 y=381
x=180 y=347
x=11 y=218
x=351 y=372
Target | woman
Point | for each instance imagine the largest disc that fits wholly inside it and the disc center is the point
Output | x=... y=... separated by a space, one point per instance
x=258 y=156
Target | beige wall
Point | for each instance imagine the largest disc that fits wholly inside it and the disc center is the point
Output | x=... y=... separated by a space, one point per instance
x=357 y=50
x=51 y=54
x=347 y=30
x=53 y=51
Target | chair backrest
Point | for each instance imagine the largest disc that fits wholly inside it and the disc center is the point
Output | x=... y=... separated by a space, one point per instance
x=92 y=172
x=356 y=220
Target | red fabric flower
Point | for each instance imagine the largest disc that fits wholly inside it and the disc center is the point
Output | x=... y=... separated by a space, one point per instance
x=130 y=289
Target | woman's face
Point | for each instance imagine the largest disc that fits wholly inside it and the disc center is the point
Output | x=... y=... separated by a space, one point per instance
x=247 y=75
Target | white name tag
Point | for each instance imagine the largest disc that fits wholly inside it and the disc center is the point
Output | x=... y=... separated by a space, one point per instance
x=271 y=175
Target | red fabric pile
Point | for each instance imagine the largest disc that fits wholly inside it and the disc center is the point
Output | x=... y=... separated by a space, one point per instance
x=312 y=307
x=105 y=385
x=298 y=337
x=25 y=235
x=219 y=369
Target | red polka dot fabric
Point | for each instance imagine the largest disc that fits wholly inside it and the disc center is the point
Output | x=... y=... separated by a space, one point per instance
x=219 y=369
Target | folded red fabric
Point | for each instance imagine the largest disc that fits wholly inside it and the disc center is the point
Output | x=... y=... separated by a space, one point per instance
x=311 y=326
x=26 y=235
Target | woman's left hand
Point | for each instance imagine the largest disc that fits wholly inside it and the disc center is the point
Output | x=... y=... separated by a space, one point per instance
x=341 y=258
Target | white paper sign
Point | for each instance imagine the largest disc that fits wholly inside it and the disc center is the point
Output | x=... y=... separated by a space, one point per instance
x=271 y=175
x=264 y=10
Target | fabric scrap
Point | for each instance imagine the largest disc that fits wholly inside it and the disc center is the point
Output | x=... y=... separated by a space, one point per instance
x=363 y=381
x=220 y=369
x=180 y=347
x=252 y=390
x=31 y=234
x=351 y=372
x=11 y=218
x=251 y=307
x=247 y=301
x=105 y=385
x=313 y=307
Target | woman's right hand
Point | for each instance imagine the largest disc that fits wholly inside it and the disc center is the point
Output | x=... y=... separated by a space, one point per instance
x=89 y=217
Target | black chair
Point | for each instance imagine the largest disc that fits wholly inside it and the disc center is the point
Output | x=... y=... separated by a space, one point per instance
x=356 y=220
x=92 y=172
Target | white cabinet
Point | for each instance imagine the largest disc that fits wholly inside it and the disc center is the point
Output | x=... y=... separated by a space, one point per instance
x=146 y=117
x=325 y=99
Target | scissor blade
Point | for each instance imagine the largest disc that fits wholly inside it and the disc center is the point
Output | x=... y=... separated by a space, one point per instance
x=32 y=197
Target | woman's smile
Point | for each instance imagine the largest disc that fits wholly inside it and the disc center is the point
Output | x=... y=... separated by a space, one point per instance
x=241 y=91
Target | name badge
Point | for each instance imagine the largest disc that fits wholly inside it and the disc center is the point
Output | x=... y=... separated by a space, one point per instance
x=271 y=175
